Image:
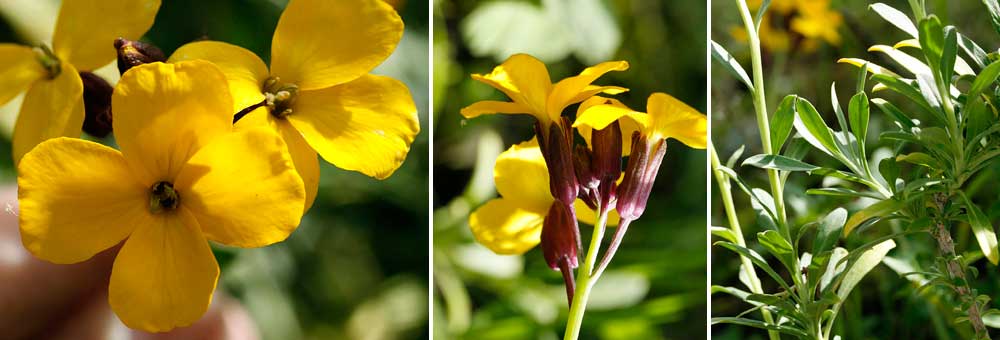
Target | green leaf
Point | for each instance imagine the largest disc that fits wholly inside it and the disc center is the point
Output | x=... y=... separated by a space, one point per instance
x=842 y=192
x=829 y=231
x=909 y=90
x=919 y=158
x=948 y=54
x=994 y=8
x=859 y=113
x=889 y=171
x=760 y=13
x=724 y=233
x=983 y=229
x=811 y=126
x=895 y=17
x=864 y=264
x=757 y=260
x=879 y=209
x=781 y=122
x=723 y=57
x=779 y=247
x=762 y=325
x=778 y=162
x=932 y=41
x=901 y=119
x=976 y=53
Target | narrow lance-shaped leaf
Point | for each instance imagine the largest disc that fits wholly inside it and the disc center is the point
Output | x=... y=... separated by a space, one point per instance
x=983 y=230
x=948 y=54
x=723 y=57
x=859 y=113
x=895 y=17
x=932 y=41
x=810 y=124
x=879 y=209
x=778 y=162
x=864 y=264
x=994 y=8
x=781 y=122
x=779 y=247
x=764 y=5
x=829 y=231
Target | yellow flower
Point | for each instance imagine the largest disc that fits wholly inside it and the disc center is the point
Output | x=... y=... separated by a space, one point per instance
x=182 y=177
x=667 y=117
x=318 y=93
x=817 y=21
x=512 y=224
x=525 y=80
x=83 y=41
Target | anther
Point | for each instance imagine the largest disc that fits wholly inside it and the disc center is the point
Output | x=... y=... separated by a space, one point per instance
x=162 y=196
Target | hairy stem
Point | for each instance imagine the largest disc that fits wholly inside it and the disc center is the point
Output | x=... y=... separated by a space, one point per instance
x=956 y=270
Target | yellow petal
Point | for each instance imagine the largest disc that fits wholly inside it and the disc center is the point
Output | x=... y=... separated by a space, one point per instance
x=566 y=92
x=593 y=90
x=488 y=107
x=19 y=67
x=164 y=113
x=51 y=108
x=599 y=112
x=506 y=227
x=165 y=274
x=245 y=71
x=526 y=81
x=520 y=175
x=86 y=29
x=586 y=215
x=366 y=125
x=243 y=189
x=77 y=198
x=672 y=118
x=303 y=156
x=321 y=43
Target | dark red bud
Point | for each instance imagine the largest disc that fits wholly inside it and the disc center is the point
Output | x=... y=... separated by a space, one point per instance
x=640 y=173
x=560 y=236
x=588 y=182
x=97 y=105
x=606 y=161
x=133 y=53
x=558 y=153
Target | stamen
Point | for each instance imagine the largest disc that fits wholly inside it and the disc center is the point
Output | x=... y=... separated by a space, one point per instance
x=163 y=197
x=49 y=61
x=279 y=97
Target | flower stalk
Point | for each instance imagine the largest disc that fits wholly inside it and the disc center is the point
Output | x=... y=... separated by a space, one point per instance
x=586 y=278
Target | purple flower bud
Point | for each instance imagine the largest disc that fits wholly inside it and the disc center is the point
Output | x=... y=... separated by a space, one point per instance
x=557 y=149
x=640 y=173
x=588 y=182
x=606 y=160
x=97 y=105
x=133 y=53
x=560 y=236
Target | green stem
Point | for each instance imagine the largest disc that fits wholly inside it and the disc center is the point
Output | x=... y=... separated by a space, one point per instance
x=725 y=189
x=760 y=108
x=585 y=280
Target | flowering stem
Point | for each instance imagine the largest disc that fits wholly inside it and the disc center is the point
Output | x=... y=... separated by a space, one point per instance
x=586 y=279
x=725 y=189
x=613 y=248
x=760 y=107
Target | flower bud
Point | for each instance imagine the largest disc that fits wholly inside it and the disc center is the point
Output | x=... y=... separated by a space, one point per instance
x=606 y=160
x=588 y=183
x=133 y=53
x=640 y=173
x=560 y=236
x=558 y=153
x=97 y=105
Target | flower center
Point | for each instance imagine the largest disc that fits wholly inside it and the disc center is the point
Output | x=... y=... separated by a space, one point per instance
x=279 y=96
x=49 y=60
x=163 y=197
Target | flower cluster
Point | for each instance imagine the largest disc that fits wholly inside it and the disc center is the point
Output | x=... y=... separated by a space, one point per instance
x=550 y=182
x=796 y=25
x=213 y=144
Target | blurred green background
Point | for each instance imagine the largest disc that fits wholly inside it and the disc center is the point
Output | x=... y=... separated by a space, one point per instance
x=356 y=268
x=655 y=287
x=885 y=305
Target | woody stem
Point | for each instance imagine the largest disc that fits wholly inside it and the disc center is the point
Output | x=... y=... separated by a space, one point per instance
x=586 y=279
